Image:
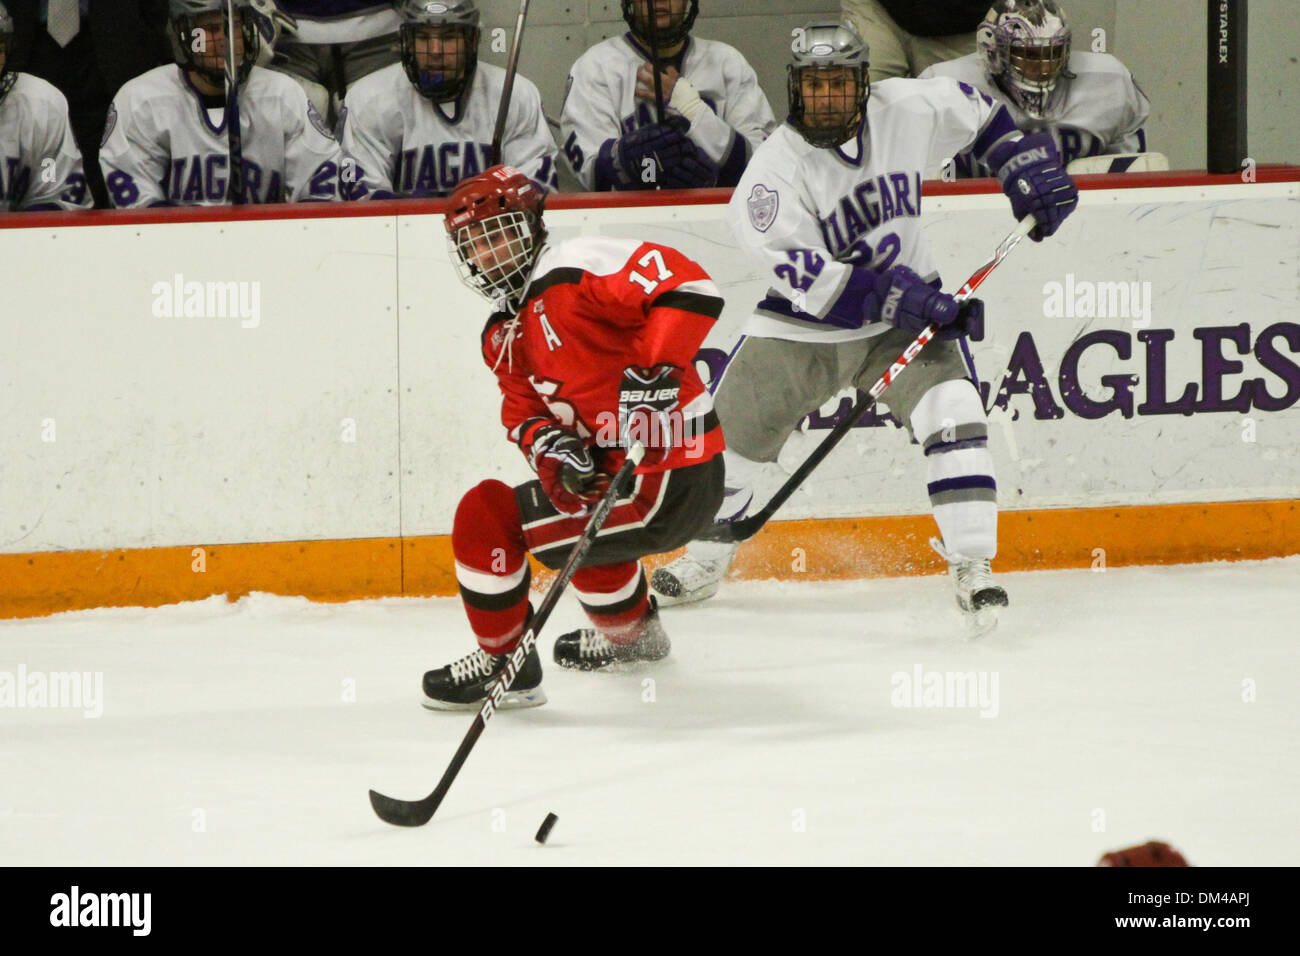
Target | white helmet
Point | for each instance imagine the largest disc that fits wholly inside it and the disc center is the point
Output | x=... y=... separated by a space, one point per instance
x=1026 y=50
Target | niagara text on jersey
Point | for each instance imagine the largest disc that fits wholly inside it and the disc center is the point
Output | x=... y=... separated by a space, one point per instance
x=594 y=307
x=165 y=144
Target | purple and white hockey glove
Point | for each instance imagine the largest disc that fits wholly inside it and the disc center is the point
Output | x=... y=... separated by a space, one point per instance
x=908 y=302
x=1032 y=177
x=659 y=155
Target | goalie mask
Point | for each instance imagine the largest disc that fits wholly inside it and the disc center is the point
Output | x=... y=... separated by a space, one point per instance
x=828 y=83
x=495 y=231
x=197 y=32
x=673 y=20
x=7 y=76
x=439 y=41
x=1026 y=49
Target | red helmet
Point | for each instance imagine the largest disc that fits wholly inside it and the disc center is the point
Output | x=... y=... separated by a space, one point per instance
x=494 y=228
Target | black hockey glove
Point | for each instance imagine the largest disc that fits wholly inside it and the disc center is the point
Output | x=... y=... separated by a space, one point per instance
x=648 y=410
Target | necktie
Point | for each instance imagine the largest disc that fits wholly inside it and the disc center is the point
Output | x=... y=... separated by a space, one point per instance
x=64 y=20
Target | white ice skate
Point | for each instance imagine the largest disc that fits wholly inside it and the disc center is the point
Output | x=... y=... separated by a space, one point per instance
x=692 y=577
x=977 y=596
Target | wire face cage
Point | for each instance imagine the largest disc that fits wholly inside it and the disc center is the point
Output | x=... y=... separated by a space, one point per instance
x=494 y=256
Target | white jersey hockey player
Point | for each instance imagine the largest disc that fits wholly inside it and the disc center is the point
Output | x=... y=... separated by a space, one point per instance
x=1089 y=102
x=831 y=207
x=418 y=127
x=715 y=113
x=40 y=165
x=166 y=142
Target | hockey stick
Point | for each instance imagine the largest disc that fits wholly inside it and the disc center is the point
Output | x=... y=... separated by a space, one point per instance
x=234 y=134
x=744 y=529
x=415 y=813
x=652 y=36
x=512 y=66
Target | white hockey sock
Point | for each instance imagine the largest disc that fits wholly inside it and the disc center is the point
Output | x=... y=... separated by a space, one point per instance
x=949 y=423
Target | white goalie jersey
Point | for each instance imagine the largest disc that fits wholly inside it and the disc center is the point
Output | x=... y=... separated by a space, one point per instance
x=600 y=104
x=40 y=165
x=398 y=143
x=815 y=218
x=1103 y=110
x=164 y=147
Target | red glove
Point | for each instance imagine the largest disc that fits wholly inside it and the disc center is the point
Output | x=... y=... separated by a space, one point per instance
x=1154 y=853
x=566 y=470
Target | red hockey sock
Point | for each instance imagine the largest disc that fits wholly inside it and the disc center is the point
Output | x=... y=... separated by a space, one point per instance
x=487 y=540
x=615 y=598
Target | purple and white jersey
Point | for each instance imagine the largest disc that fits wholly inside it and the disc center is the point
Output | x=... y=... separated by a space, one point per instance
x=398 y=143
x=164 y=147
x=40 y=165
x=600 y=104
x=1101 y=109
x=822 y=222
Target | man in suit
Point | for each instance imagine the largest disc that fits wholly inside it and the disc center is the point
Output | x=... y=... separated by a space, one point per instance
x=87 y=49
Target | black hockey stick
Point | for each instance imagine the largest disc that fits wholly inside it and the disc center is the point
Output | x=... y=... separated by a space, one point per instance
x=415 y=813
x=512 y=67
x=652 y=37
x=234 y=133
x=746 y=528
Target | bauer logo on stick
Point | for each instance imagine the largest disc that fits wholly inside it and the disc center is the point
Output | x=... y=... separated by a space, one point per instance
x=763 y=204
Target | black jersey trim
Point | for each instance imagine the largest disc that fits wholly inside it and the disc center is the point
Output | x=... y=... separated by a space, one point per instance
x=566 y=275
x=707 y=305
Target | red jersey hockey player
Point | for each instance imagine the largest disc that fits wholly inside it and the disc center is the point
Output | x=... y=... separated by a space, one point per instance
x=593 y=346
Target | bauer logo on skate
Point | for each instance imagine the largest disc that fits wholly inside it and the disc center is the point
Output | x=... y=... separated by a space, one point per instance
x=179 y=299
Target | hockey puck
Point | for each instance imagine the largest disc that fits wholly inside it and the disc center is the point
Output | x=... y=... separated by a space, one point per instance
x=545 y=829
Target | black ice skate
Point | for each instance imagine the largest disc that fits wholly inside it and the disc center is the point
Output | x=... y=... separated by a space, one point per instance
x=977 y=596
x=588 y=650
x=464 y=684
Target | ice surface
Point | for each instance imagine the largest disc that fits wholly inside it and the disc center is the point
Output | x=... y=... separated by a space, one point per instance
x=1124 y=712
